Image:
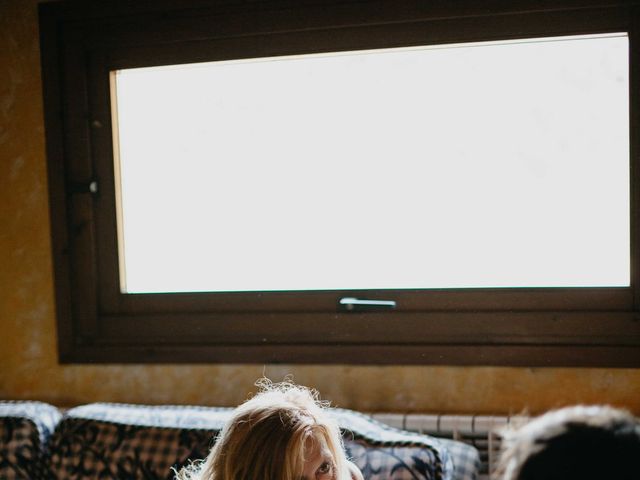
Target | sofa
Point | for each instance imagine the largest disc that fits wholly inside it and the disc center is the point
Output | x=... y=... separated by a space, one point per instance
x=118 y=441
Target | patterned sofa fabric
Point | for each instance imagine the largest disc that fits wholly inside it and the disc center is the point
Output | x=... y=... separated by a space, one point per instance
x=143 y=442
x=25 y=428
x=113 y=441
x=398 y=454
x=383 y=452
x=465 y=458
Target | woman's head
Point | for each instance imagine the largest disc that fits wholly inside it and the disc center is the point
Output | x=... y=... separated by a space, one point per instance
x=581 y=442
x=282 y=433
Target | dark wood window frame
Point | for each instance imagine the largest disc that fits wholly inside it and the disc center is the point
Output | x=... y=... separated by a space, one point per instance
x=82 y=42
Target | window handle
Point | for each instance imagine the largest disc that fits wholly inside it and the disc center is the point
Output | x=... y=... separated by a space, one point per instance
x=351 y=304
x=90 y=186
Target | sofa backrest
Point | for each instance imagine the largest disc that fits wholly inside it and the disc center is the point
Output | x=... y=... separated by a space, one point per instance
x=104 y=441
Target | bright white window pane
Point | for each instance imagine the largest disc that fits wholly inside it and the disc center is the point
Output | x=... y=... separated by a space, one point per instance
x=478 y=165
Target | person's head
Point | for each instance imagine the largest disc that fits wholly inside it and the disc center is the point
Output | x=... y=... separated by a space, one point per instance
x=581 y=443
x=282 y=433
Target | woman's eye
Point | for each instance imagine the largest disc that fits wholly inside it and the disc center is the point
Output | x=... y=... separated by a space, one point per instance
x=324 y=468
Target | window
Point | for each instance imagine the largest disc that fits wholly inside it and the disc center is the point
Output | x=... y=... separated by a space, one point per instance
x=347 y=182
x=477 y=165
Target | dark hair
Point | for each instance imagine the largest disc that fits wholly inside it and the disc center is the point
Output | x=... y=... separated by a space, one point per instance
x=582 y=443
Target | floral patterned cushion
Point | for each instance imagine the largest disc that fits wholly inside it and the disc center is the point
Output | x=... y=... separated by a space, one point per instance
x=25 y=428
x=383 y=452
x=141 y=442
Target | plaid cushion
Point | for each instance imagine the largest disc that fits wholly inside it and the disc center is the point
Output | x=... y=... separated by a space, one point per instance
x=24 y=430
x=131 y=442
x=466 y=459
x=383 y=452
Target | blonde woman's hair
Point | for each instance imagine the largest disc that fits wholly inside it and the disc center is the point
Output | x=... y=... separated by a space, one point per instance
x=265 y=438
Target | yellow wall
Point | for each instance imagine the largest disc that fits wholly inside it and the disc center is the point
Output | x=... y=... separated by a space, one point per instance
x=28 y=361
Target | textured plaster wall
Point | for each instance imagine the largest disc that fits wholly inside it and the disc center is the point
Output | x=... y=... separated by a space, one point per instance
x=28 y=362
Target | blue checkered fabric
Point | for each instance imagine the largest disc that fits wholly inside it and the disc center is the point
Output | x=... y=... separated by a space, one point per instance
x=460 y=461
x=465 y=458
x=383 y=452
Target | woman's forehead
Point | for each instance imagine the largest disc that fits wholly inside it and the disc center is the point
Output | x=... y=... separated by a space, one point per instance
x=316 y=452
x=315 y=442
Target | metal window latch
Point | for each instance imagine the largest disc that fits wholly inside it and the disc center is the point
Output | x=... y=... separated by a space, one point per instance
x=90 y=186
x=351 y=304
